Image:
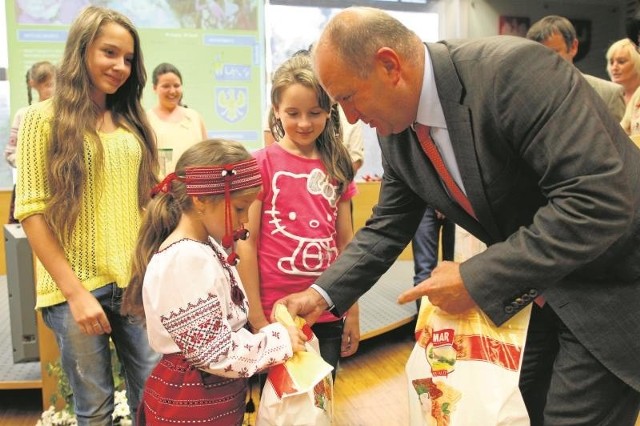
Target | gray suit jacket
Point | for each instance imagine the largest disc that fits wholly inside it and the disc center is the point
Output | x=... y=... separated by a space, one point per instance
x=611 y=93
x=554 y=183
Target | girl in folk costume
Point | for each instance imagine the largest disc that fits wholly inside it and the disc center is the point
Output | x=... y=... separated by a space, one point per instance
x=86 y=163
x=301 y=219
x=186 y=287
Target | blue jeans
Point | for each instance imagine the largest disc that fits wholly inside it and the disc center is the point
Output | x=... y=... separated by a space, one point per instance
x=86 y=360
x=425 y=245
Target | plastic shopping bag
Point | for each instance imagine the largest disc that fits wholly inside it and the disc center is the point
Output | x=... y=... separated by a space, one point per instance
x=300 y=391
x=464 y=370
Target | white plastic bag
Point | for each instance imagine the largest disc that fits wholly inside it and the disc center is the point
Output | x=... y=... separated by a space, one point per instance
x=300 y=391
x=464 y=370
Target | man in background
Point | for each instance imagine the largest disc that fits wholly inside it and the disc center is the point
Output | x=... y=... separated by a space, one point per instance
x=559 y=35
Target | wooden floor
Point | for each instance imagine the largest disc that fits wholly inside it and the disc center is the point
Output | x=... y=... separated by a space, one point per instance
x=20 y=407
x=370 y=389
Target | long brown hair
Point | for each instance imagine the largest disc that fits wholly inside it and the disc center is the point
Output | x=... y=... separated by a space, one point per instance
x=75 y=116
x=164 y=211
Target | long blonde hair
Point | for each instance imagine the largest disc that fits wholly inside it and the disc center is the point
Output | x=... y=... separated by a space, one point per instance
x=333 y=153
x=164 y=211
x=75 y=116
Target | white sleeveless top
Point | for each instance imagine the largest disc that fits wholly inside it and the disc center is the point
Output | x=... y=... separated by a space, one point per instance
x=175 y=136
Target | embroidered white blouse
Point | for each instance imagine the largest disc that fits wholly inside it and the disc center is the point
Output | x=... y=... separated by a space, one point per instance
x=188 y=303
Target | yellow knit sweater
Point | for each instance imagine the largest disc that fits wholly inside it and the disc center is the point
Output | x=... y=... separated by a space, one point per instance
x=103 y=240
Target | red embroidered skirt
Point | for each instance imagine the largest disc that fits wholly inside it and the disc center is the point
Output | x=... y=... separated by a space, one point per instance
x=178 y=393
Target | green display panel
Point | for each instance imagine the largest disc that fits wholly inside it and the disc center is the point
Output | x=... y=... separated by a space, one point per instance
x=218 y=46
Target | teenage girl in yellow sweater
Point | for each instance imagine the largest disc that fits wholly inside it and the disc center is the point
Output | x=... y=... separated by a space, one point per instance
x=86 y=163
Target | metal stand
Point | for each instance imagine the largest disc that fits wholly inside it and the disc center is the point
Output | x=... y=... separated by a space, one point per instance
x=22 y=298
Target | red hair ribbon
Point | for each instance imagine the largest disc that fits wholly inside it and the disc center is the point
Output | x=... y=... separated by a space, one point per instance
x=164 y=186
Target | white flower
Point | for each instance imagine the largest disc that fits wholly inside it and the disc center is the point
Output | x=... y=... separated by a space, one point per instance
x=121 y=409
x=120 y=397
x=53 y=418
x=121 y=414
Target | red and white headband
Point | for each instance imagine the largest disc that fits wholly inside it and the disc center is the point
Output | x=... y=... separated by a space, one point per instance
x=218 y=180
x=214 y=180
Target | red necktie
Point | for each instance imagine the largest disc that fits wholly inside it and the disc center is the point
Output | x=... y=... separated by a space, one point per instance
x=430 y=148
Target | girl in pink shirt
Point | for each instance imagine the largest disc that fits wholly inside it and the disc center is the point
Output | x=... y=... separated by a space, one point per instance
x=301 y=220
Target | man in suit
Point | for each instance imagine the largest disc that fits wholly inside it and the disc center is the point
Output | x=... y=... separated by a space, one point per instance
x=552 y=185
x=559 y=35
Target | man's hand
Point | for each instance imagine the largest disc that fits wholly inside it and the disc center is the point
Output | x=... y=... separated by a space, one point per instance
x=308 y=304
x=444 y=289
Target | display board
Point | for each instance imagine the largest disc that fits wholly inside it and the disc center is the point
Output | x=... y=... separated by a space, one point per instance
x=218 y=46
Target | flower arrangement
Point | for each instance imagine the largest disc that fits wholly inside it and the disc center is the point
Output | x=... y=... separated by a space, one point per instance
x=51 y=417
x=65 y=417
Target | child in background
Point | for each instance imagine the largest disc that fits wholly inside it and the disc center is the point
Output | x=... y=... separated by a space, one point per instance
x=86 y=163
x=301 y=219
x=41 y=77
x=188 y=290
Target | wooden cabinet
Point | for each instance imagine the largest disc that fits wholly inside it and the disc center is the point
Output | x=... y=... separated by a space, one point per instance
x=363 y=203
x=47 y=346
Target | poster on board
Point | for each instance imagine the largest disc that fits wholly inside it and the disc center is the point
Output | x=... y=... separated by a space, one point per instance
x=218 y=46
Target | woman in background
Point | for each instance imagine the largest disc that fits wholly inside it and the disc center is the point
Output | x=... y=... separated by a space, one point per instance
x=176 y=126
x=623 y=66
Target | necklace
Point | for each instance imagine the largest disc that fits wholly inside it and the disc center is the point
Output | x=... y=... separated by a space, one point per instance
x=237 y=296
